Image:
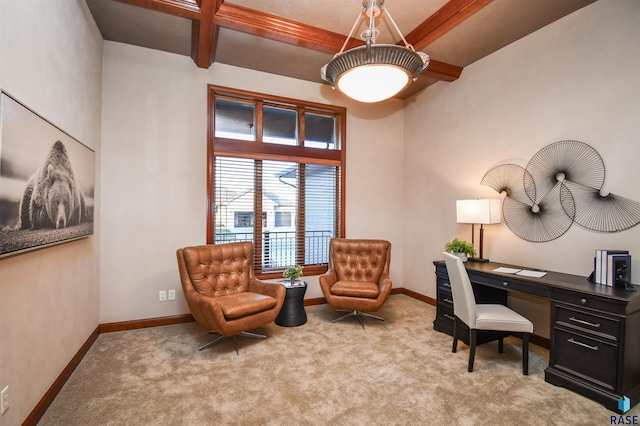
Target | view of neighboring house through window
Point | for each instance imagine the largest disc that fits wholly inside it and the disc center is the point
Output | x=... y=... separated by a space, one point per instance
x=243 y=219
x=276 y=177
x=283 y=219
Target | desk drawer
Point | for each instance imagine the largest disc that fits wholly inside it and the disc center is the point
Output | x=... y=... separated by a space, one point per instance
x=588 y=301
x=585 y=357
x=445 y=305
x=512 y=284
x=587 y=321
x=443 y=283
x=444 y=319
x=446 y=314
x=445 y=297
x=444 y=309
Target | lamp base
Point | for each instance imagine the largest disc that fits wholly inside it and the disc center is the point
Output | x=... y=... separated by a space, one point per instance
x=474 y=259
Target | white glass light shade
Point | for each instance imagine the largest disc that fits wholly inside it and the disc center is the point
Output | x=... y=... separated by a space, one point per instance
x=381 y=69
x=373 y=83
x=478 y=211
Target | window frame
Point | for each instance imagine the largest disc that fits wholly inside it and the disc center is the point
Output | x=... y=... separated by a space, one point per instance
x=259 y=150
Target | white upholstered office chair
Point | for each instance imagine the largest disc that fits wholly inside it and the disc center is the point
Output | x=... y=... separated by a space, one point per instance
x=488 y=317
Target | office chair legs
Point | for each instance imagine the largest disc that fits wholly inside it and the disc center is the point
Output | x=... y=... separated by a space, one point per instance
x=357 y=314
x=473 y=335
x=472 y=344
x=454 y=348
x=525 y=350
x=525 y=354
x=472 y=348
x=235 y=342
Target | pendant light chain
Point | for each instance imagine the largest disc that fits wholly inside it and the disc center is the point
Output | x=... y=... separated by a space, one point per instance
x=406 y=44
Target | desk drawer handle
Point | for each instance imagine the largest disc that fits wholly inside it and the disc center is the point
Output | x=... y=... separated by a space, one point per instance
x=596 y=325
x=446 y=284
x=448 y=316
x=504 y=283
x=448 y=300
x=575 y=342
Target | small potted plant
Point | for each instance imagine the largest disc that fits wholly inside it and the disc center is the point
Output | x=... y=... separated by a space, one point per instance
x=293 y=273
x=460 y=248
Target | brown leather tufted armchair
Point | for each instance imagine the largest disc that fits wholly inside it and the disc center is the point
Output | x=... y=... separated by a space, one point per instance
x=358 y=277
x=223 y=293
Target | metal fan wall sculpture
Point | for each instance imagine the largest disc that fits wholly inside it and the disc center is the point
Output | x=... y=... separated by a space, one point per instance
x=561 y=184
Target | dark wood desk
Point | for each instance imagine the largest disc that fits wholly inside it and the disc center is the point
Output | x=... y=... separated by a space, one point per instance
x=595 y=329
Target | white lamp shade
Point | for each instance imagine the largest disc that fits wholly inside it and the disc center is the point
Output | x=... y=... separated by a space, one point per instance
x=478 y=211
x=373 y=83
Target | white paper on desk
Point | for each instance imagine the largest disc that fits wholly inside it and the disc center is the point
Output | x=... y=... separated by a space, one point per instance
x=535 y=274
x=504 y=270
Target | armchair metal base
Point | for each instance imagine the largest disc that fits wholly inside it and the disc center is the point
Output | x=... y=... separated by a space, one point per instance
x=357 y=314
x=235 y=342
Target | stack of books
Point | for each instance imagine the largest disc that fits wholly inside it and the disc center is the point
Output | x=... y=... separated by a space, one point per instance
x=612 y=267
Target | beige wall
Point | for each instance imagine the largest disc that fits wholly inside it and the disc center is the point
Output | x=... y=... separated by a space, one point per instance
x=154 y=171
x=51 y=60
x=575 y=79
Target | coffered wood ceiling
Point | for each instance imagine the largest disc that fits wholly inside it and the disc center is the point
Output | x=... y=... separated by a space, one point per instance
x=295 y=38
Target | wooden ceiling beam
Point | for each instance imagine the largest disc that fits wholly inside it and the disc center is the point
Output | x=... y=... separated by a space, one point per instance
x=276 y=28
x=442 y=71
x=209 y=16
x=445 y=19
x=183 y=8
x=204 y=34
x=280 y=29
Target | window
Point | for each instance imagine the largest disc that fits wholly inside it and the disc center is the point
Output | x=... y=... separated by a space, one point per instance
x=243 y=219
x=276 y=177
x=283 y=219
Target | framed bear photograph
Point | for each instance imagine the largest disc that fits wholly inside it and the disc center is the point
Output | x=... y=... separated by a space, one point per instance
x=47 y=182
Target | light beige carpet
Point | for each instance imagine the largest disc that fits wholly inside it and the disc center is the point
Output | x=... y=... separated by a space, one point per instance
x=396 y=372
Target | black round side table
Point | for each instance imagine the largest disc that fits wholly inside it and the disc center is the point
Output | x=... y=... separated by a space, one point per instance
x=292 y=313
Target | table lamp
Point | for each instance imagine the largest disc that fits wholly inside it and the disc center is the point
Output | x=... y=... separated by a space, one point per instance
x=483 y=212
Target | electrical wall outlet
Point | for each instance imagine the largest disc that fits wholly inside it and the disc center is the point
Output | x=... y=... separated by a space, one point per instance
x=4 y=400
x=172 y=295
x=162 y=295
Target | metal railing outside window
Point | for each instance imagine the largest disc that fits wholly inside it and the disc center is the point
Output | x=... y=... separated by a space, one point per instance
x=279 y=248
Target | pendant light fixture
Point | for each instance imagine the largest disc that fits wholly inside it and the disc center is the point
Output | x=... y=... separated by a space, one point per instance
x=374 y=72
